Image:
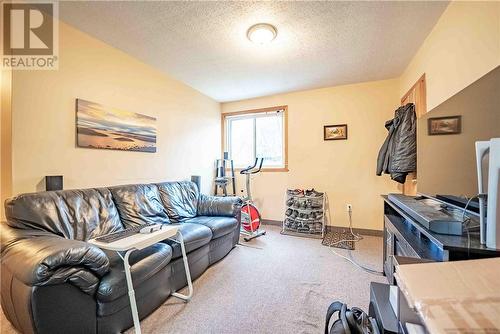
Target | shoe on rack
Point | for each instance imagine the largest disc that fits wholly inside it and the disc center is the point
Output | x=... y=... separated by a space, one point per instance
x=304 y=228
x=288 y=212
x=295 y=192
x=294 y=214
x=290 y=202
x=315 y=193
x=316 y=204
x=312 y=215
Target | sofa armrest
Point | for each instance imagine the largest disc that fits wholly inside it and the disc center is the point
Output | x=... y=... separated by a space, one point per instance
x=39 y=258
x=229 y=206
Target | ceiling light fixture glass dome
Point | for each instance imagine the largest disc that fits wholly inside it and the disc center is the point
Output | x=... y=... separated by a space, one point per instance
x=262 y=33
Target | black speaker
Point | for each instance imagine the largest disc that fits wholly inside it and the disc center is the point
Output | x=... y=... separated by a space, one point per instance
x=197 y=180
x=54 y=182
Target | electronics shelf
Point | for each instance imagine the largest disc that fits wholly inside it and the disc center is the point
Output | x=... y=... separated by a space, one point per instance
x=304 y=212
x=405 y=236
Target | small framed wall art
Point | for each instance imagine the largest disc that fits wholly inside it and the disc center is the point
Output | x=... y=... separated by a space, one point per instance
x=335 y=132
x=448 y=125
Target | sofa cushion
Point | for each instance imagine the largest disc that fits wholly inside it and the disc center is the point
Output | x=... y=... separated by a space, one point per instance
x=139 y=204
x=79 y=214
x=194 y=235
x=180 y=199
x=144 y=264
x=219 y=226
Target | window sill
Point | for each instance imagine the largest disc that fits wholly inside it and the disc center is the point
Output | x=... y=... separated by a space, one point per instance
x=284 y=169
x=264 y=170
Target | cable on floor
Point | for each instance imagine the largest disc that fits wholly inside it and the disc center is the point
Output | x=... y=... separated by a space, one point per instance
x=355 y=238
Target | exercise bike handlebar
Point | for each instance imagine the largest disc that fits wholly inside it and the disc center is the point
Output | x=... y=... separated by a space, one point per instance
x=252 y=169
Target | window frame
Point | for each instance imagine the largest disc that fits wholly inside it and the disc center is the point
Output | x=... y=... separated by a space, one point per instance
x=256 y=111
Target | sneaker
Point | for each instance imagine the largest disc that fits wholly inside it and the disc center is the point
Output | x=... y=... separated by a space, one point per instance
x=288 y=212
x=315 y=193
x=295 y=192
x=303 y=228
x=316 y=205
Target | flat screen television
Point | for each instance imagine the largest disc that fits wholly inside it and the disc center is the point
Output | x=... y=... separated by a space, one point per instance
x=446 y=158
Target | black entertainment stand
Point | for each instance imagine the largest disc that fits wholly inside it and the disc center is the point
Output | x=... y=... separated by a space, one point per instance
x=407 y=242
x=404 y=236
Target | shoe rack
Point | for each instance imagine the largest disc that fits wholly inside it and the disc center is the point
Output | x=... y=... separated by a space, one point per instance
x=304 y=212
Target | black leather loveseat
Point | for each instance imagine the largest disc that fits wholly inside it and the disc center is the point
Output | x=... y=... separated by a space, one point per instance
x=53 y=281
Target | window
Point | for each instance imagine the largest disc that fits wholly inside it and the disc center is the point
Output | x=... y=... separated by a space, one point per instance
x=258 y=133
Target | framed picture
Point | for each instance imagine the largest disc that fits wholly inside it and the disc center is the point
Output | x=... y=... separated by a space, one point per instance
x=448 y=125
x=103 y=127
x=335 y=132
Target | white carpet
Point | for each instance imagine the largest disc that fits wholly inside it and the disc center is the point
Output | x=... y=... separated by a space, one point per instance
x=274 y=284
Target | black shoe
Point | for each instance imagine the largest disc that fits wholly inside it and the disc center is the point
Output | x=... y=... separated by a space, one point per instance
x=294 y=214
x=290 y=202
x=315 y=193
x=288 y=212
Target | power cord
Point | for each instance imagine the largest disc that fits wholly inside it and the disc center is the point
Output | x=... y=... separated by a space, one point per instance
x=466 y=222
x=355 y=238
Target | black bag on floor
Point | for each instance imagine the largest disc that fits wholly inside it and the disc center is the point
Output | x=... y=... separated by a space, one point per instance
x=349 y=321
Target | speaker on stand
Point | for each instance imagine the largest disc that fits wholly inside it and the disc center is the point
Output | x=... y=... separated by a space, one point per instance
x=54 y=182
x=196 y=179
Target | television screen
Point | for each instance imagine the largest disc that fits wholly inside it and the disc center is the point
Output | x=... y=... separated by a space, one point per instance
x=446 y=136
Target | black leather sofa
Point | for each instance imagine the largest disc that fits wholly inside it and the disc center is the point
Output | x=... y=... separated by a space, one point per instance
x=53 y=281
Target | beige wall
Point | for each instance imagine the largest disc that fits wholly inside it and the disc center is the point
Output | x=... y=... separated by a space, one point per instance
x=463 y=46
x=43 y=105
x=5 y=138
x=344 y=169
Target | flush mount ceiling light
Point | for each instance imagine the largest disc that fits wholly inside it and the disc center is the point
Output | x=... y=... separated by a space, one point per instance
x=262 y=33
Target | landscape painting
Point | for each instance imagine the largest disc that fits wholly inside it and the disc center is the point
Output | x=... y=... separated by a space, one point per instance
x=103 y=127
x=448 y=125
x=335 y=132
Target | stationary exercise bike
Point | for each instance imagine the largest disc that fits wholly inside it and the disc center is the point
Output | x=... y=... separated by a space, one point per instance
x=250 y=216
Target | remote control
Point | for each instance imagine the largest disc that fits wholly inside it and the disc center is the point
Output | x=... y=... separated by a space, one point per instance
x=150 y=229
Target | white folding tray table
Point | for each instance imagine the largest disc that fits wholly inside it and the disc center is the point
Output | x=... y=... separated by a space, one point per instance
x=140 y=241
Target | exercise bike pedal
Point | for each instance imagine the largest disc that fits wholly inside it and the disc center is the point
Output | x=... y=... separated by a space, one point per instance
x=259 y=234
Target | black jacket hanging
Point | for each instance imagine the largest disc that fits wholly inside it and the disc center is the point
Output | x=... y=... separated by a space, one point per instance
x=398 y=154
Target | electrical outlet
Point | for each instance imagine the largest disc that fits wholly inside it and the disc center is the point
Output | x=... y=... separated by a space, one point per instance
x=349 y=207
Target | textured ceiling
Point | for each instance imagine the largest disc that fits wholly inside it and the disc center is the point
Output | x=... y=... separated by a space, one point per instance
x=204 y=44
